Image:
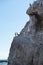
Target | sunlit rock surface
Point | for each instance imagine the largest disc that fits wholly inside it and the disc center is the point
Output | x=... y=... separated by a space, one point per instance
x=27 y=47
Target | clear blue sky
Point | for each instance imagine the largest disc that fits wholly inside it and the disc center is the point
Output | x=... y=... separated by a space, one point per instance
x=13 y=17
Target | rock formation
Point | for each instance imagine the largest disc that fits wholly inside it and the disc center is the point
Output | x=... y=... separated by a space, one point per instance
x=27 y=47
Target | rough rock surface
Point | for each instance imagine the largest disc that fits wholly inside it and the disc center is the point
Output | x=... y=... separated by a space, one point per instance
x=27 y=47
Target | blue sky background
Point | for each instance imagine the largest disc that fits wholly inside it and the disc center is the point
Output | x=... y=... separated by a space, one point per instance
x=13 y=17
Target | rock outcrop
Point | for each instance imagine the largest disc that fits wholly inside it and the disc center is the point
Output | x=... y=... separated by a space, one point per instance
x=27 y=47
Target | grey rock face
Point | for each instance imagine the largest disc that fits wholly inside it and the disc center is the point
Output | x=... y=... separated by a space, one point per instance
x=27 y=47
x=24 y=52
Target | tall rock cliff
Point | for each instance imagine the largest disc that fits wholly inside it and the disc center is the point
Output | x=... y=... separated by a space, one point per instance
x=27 y=47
